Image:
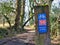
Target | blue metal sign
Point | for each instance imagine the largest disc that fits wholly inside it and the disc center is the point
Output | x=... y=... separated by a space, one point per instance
x=42 y=23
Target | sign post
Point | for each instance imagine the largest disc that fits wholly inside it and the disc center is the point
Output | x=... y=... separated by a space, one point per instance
x=42 y=25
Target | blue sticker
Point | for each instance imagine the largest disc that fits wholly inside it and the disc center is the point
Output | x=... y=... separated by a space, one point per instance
x=42 y=23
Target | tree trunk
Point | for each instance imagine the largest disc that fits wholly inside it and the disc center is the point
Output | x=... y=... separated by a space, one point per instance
x=23 y=12
x=18 y=12
x=42 y=39
x=3 y=22
x=59 y=27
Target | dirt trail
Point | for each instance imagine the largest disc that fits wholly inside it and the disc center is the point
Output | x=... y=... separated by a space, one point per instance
x=27 y=38
x=20 y=39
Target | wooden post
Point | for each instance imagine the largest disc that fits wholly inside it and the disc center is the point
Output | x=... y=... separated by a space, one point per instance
x=42 y=39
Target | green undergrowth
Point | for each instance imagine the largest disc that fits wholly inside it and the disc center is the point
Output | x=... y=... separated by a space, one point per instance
x=3 y=32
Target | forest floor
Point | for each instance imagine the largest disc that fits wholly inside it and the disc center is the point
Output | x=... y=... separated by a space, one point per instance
x=27 y=38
